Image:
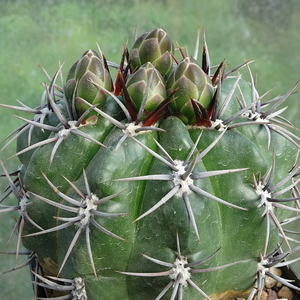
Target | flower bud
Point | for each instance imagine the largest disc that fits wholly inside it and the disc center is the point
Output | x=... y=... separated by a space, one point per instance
x=146 y=82
x=155 y=47
x=89 y=69
x=191 y=82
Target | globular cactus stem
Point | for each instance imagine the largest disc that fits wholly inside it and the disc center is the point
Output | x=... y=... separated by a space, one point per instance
x=173 y=181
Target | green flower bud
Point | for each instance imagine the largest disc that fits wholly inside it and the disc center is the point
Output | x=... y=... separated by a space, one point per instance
x=191 y=82
x=146 y=82
x=155 y=47
x=89 y=69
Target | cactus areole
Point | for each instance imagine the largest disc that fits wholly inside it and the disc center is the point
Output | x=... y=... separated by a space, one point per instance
x=173 y=180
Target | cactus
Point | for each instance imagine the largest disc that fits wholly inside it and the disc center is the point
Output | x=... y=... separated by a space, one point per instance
x=173 y=181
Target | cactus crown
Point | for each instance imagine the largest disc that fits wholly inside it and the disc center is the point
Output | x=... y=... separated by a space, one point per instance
x=170 y=181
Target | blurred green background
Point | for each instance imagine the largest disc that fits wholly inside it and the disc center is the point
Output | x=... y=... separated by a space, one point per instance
x=48 y=31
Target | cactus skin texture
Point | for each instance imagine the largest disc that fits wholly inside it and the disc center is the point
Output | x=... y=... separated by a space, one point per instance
x=180 y=193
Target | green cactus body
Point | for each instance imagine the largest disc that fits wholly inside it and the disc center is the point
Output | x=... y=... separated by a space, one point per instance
x=161 y=208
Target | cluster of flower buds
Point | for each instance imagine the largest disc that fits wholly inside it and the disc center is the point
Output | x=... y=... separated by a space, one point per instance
x=186 y=80
x=153 y=77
